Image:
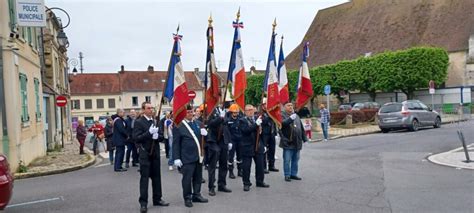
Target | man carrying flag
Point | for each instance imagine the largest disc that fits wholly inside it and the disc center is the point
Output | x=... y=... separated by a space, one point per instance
x=216 y=147
x=236 y=73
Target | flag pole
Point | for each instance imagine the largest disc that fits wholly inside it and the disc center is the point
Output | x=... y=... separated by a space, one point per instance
x=259 y=130
x=163 y=93
x=230 y=64
x=206 y=82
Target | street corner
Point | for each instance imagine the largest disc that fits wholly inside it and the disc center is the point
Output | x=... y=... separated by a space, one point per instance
x=455 y=158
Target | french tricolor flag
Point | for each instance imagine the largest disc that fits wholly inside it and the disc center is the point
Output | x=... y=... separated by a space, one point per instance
x=211 y=81
x=176 y=87
x=282 y=77
x=271 y=85
x=236 y=73
x=304 y=89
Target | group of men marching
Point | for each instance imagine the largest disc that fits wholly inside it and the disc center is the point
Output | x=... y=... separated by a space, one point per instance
x=224 y=140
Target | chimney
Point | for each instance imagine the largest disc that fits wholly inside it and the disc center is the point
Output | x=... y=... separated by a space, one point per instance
x=196 y=70
x=122 y=69
x=150 y=68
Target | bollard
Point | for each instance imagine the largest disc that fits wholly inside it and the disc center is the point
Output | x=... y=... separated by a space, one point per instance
x=348 y=120
x=461 y=137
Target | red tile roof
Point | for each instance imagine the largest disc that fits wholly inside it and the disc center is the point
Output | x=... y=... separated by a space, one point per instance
x=95 y=83
x=350 y=30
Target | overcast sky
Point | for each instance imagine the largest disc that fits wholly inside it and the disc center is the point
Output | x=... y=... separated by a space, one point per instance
x=138 y=33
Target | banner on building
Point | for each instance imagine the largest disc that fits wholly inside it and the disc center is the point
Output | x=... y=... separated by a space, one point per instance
x=30 y=13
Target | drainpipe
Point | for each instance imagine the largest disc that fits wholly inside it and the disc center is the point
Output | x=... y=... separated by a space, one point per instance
x=5 y=140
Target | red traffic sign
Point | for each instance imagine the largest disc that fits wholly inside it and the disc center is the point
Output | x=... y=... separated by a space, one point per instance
x=191 y=94
x=61 y=101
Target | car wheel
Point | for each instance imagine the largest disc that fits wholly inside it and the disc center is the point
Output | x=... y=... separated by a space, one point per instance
x=414 y=125
x=437 y=123
x=385 y=130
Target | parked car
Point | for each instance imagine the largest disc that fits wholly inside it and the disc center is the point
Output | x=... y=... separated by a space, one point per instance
x=6 y=182
x=410 y=114
x=345 y=107
x=366 y=105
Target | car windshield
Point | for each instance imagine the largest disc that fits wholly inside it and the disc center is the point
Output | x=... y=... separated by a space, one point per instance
x=391 y=108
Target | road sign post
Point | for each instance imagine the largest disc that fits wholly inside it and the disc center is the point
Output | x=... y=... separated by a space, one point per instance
x=327 y=91
x=61 y=101
x=432 y=92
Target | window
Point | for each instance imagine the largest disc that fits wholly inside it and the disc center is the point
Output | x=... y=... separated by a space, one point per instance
x=76 y=104
x=11 y=12
x=148 y=99
x=111 y=103
x=29 y=35
x=88 y=104
x=24 y=98
x=37 y=97
x=134 y=101
x=100 y=103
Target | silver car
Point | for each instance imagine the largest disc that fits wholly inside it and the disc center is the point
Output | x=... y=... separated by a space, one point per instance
x=410 y=114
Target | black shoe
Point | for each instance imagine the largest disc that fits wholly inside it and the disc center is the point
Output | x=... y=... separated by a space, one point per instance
x=295 y=177
x=120 y=170
x=263 y=185
x=273 y=169
x=246 y=188
x=200 y=199
x=188 y=203
x=127 y=166
x=212 y=192
x=143 y=209
x=266 y=171
x=203 y=180
x=134 y=165
x=231 y=175
x=224 y=189
x=240 y=173
x=161 y=203
x=287 y=179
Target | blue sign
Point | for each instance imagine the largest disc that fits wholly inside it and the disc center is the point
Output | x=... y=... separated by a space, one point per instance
x=327 y=89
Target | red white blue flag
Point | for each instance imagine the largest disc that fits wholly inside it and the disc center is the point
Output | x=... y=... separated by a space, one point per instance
x=211 y=81
x=176 y=87
x=282 y=77
x=271 y=85
x=304 y=88
x=236 y=73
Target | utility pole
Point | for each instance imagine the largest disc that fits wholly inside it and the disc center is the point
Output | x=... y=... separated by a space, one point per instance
x=80 y=59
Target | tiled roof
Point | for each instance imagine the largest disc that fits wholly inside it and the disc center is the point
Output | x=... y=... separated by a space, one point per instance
x=125 y=81
x=350 y=30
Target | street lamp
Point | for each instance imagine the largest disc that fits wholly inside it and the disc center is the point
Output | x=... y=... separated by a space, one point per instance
x=62 y=39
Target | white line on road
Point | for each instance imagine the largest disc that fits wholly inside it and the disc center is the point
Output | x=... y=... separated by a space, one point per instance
x=36 y=201
x=101 y=165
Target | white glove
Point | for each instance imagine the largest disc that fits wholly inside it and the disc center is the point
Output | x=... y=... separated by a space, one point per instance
x=265 y=149
x=203 y=132
x=293 y=116
x=230 y=146
x=221 y=112
x=178 y=163
x=153 y=129
x=259 y=121
x=155 y=136
x=277 y=139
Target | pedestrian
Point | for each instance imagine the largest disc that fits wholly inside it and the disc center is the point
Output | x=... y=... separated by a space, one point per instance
x=119 y=138
x=98 y=137
x=217 y=151
x=291 y=139
x=325 y=120
x=307 y=128
x=81 y=134
x=109 y=132
x=252 y=146
x=233 y=136
x=147 y=137
x=269 y=131
x=188 y=156
x=165 y=133
x=131 y=148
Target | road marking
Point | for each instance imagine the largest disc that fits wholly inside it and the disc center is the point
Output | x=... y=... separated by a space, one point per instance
x=101 y=165
x=36 y=201
x=424 y=160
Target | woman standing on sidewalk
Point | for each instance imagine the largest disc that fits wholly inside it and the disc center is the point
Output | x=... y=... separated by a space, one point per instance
x=81 y=134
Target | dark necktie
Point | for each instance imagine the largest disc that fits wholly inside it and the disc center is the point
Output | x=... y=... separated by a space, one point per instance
x=194 y=127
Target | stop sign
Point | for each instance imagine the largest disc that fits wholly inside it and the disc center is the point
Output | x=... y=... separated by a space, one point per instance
x=61 y=101
x=191 y=94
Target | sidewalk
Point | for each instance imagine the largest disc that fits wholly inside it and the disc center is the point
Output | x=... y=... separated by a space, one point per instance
x=68 y=159
x=455 y=158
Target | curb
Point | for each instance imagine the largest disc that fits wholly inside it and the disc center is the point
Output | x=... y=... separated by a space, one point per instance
x=433 y=159
x=88 y=163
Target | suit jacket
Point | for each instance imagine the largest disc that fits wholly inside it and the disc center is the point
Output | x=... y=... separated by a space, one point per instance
x=292 y=132
x=120 y=132
x=142 y=136
x=215 y=138
x=249 y=137
x=184 y=146
x=129 y=122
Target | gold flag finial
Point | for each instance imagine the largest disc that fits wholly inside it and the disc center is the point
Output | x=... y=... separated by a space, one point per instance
x=210 y=20
x=238 y=14
x=274 y=24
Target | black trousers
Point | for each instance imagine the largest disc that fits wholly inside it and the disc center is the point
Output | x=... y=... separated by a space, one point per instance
x=149 y=169
x=270 y=155
x=167 y=147
x=234 y=152
x=191 y=181
x=131 y=149
x=214 y=157
x=247 y=164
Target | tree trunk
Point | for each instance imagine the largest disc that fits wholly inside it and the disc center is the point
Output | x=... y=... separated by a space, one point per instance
x=372 y=95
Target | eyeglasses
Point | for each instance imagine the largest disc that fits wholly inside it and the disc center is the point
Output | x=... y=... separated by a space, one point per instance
x=148 y=107
x=189 y=111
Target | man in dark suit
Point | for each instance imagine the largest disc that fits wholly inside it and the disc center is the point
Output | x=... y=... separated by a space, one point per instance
x=269 y=131
x=250 y=128
x=131 y=148
x=188 y=155
x=119 y=138
x=146 y=136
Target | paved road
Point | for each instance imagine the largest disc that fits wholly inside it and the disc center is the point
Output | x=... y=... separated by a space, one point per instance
x=371 y=173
